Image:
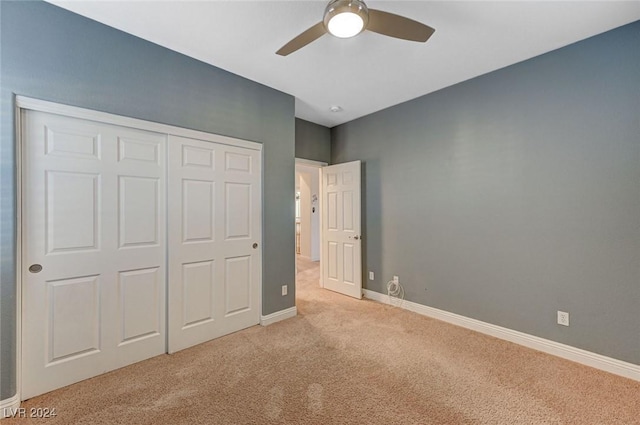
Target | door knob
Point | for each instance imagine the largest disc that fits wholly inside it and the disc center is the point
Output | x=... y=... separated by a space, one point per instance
x=255 y=245
x=356 y=237
x=35 y=268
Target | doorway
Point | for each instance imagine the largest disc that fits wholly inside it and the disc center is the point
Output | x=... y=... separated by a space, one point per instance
x=307 y=198
x=328 y=219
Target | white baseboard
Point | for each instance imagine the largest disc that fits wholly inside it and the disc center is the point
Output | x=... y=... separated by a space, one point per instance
x=9 y=406
x=598 y=361
x=272 y=318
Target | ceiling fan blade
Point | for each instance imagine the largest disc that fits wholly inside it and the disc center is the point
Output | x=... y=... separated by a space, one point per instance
x=303 y=39
x=397 y=26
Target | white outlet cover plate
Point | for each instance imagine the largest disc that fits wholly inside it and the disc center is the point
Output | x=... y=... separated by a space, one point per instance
x=284 y=290
x=371 y=276
x=563 y=318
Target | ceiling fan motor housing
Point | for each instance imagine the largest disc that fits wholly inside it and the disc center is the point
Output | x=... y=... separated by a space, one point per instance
x=337 y=7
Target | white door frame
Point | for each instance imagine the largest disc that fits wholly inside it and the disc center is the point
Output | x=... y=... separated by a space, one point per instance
x=318 y=165
x=311 y=163
x=23 y=103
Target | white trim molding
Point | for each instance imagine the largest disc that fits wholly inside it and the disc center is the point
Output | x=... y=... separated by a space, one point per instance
x=310 y=163
x=24 y=102
x=272 y=318
x=598 y=361
x=18 y=143
x=9 y=407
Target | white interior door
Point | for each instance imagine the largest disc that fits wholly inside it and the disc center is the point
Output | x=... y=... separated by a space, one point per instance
x=215 y=246
x=341 y=238
x=93 y=240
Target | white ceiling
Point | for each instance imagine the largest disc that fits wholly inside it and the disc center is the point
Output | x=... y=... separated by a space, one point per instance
x=369 y=72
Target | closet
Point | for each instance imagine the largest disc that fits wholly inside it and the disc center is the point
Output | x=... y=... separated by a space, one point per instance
x=137 y=239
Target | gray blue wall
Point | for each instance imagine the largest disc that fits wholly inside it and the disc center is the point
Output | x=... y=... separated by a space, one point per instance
x=52 y=54
x=515 y=194
x=313 y=141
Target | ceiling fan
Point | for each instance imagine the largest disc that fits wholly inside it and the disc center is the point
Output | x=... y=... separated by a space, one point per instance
x=348 y=18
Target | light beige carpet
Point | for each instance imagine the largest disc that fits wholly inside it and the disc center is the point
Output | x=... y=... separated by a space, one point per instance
x=343 y=361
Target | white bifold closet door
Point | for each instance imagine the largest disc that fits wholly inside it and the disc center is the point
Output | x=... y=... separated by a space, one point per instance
x=94 y=249
x=215 y=268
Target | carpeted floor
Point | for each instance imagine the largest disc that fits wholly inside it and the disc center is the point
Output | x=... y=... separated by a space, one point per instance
x=343 y=361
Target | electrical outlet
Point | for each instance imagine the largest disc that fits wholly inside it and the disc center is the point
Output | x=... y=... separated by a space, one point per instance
x=284 y=290
x=396 y=279
x=563 y=318
x=371 y=276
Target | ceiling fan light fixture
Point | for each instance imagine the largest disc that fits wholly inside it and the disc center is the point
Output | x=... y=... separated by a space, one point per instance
x=346 y=18
x=345 y=25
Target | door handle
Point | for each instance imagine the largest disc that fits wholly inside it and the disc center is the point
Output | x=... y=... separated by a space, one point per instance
x=35 y=268
x=255 y=245
x=356 y=237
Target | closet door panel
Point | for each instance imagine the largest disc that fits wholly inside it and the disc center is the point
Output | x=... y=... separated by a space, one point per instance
x=214 y=222
x=93 y=248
